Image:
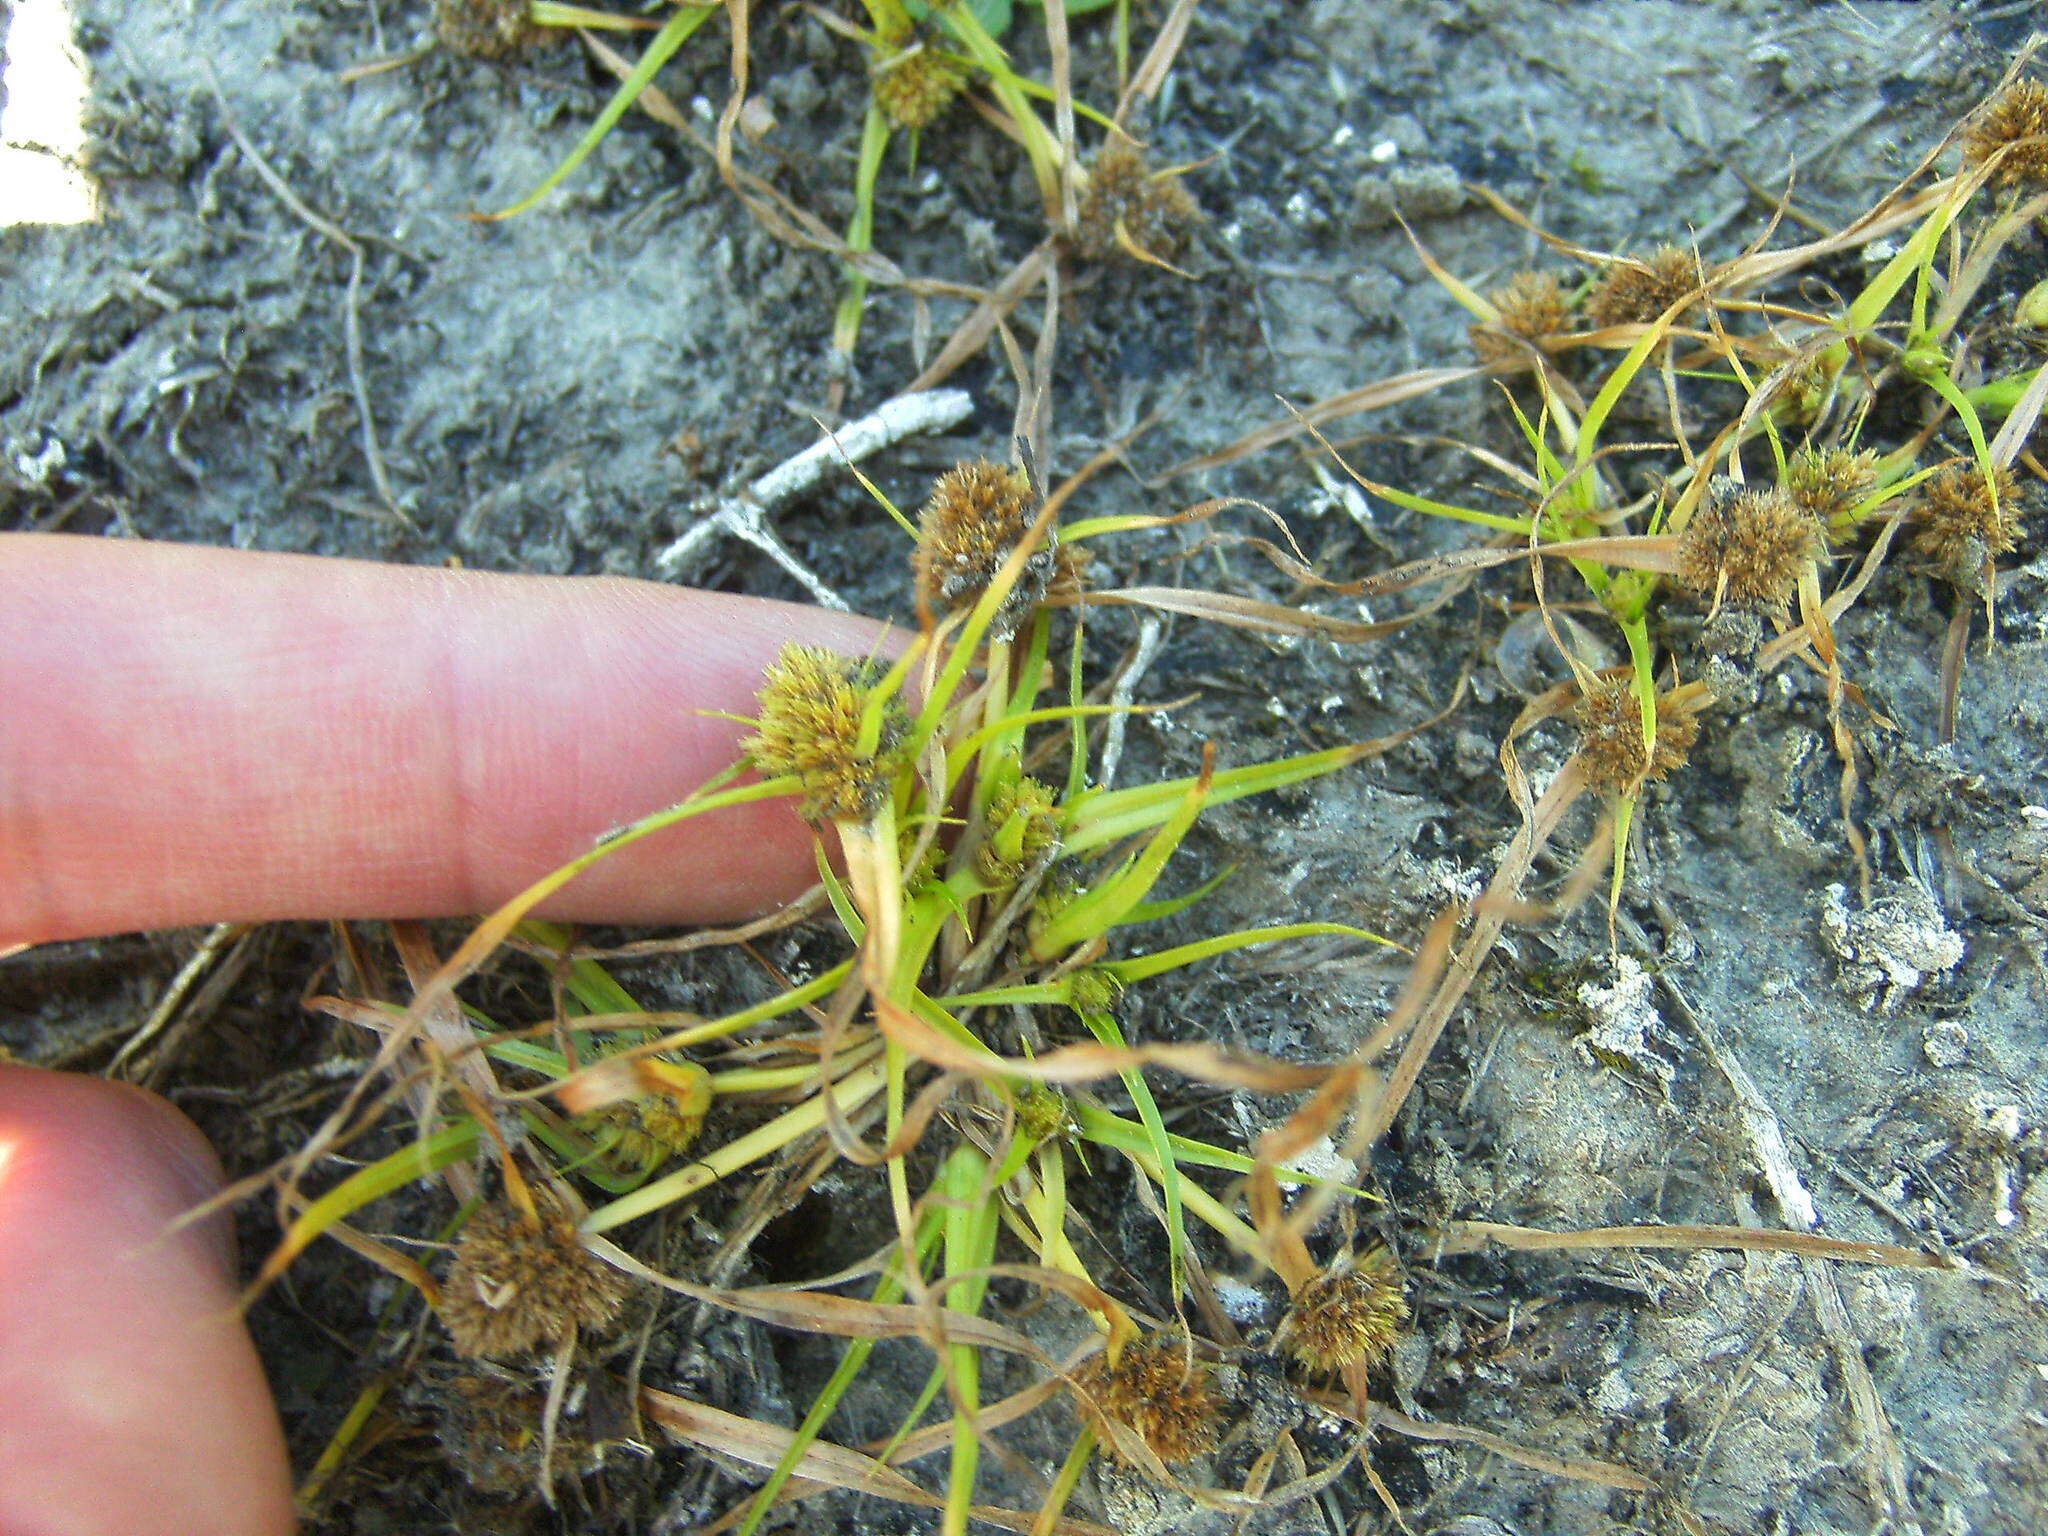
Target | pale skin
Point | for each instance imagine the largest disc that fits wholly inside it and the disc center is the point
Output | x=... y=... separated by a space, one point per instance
x=196 y=735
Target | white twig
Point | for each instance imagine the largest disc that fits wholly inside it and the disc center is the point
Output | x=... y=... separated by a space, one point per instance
x=744 y=516
x=1120 y=699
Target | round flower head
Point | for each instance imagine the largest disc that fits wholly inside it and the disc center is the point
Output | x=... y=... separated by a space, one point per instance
x=2013 y=127
x=914 y=82
x=1353 y=1313
x=1158 y=1392
x=1155 y=211
x=1829 y=482
x=517 y=1284
x=1531 y=306
x=1612 y=752
x=1965 y=521
x=977 y=516
x=490 y=29
x=814 y=706
x=1748 y=548
x=1637 y=291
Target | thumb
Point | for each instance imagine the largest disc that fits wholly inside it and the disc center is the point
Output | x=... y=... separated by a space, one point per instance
x=131 y=1400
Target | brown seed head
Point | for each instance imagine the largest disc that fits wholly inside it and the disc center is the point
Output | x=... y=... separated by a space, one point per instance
x=1157 y=1391
x=490 y=29
x=2015 y=121
x=1960 y=528
x=812 y=703
x=1637 y=291
x=1532 y=305
x=913 y=83
x=1353 y=1313
x=1612 y=752
x=977 y=515
x=515 y=1285
x=1828 y=482
x=1157 y=213
x=1748 y=547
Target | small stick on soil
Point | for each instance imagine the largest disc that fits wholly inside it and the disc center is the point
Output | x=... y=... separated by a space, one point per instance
x=1120 y=698
x=351 y=316
x=744 y=516
x=218 y=938
x=1884 y=1472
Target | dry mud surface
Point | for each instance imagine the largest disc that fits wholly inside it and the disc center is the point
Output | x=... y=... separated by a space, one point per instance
x=561 y=392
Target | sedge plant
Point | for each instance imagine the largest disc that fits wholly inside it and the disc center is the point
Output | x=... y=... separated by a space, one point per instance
x=988 y=905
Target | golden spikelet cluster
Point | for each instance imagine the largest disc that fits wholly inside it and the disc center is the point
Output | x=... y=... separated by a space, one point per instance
x=1748 y=548
x=489 y=29
x=812 y=706
x=914 y=82
x=977 y=515
x=1531 y=306
x=1638 y=290
x=518 y=1283
x=1612 y=753
x=1804 y=394
x=1157 y=1391
x=1042 y=1113
x=1351 y=1314
x=1960 y=527
x=1022 y=828
x=1155 y=211
x=664 y=1120
x=2015 y=121
x=1829 y=482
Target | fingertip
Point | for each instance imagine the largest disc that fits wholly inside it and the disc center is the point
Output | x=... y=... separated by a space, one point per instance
x=222 y=735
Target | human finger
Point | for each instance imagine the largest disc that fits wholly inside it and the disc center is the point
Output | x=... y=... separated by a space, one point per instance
x=192 y=734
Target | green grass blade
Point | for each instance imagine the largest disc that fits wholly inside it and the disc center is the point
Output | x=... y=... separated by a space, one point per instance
x=678 y=30
x=888 y=1289
x=449 y=1145
x=1101 y=909
x=1108 y=1129
x=1097 y=818
x=1139 y=967
x=1104 y=1027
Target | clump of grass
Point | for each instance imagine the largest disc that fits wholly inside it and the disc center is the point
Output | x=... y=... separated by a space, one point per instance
x=1158 y=1391
x=1350 y=1315
x=1129 y=209
x=822 y=722
x=1636 y=290
x=2012 y=128
x=1749 y=547
x=522 y=1279
x=1530 y=306
x=1965 y=520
